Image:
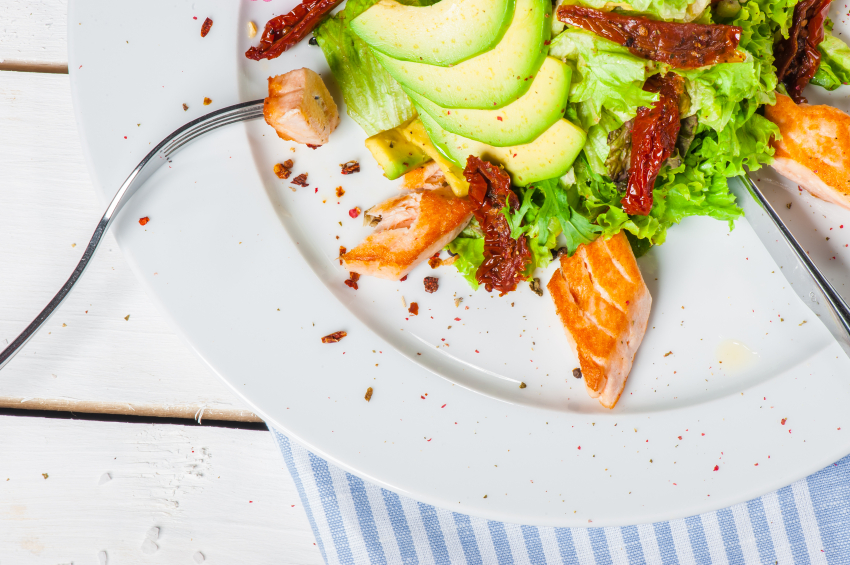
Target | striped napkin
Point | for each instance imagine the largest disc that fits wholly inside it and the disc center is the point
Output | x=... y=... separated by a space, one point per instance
x=357 y=522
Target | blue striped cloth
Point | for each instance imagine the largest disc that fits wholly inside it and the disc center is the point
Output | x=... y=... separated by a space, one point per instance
x=357 y=522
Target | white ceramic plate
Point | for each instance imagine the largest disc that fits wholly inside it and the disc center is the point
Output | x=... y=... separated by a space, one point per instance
x=246 y=269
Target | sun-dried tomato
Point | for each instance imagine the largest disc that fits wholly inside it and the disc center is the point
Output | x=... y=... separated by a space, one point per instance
x=285 y=31
x=653 y=140
x=798 y=57
x=352 y=280
x=505 y=258
x=684 y=46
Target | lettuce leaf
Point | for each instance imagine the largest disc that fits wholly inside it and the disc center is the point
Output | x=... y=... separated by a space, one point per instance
x=834 y=69
x=470 y=255
x=372 y=97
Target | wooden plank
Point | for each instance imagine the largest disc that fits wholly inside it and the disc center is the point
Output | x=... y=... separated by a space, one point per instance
x=223 y=492
x=89 y=356
x=33 y=35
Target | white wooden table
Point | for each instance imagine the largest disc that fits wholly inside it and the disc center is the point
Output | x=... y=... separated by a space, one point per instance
x=70 y=489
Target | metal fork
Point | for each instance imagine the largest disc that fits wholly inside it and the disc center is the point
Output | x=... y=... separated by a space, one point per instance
x=806 y=279
x=161 y=154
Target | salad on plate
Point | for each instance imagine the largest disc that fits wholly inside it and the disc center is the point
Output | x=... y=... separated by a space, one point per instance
x=522 y=133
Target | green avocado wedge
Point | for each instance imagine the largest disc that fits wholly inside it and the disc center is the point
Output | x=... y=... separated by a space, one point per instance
x=517 y=123
x=443 y=34
x=550 y=155
x=490 y=80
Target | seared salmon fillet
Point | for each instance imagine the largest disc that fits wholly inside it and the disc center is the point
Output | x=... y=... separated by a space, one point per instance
x=604 y=305
x=814 y=150
x=429 y=176
x=300 y=108
x=409 y=229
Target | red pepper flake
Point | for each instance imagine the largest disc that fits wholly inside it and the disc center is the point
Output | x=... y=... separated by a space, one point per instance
x=354 y=212
x=350 y=167
x=783 y=421
x=579 y=448
x=431 y=284
x=457 y=319
x=703 y=434
x=443 y=406
x=144 y=221
x=422 y=397
x=717 y=467
x=300 y=180
x=206 y=27
x=334 y=337
x=402 y=279
x=680 y=437
x=285 y=31
x=352 y=280
x=429 y=439
x=756 y=464
x=194 y=17
x=499 y=118
x=414 y=309
x=477 y=351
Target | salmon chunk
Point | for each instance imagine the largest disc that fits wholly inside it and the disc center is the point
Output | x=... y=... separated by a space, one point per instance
x=409 y=229
x=814 y=151
x=429 y=176
x=300 y=108
x=604 y=304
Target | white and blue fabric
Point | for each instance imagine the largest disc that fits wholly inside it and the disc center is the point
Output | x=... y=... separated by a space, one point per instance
x=356 y=522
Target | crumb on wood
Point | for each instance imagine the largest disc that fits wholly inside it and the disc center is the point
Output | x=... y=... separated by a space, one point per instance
x=431 y=284
x=334 y=337
x=368 y=396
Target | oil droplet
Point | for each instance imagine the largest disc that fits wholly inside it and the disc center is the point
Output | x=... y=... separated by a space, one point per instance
x=735 y=356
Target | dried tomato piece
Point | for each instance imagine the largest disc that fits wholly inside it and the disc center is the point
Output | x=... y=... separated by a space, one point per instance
x=653 y=140
x=285 y=31
x=352 y=280
x=206 y=27
x=505 y=258
x=684 y=46
x=334 y=337
x=798 y=57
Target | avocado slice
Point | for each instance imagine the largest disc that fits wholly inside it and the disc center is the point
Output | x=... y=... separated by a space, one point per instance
x=517 y=123
x=550 y=155
x=416 y=134
x=394 y=153
x=442 y=34
x=492 y=79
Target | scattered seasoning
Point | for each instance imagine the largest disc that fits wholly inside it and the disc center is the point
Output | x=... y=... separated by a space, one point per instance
x=534 y=284
x=350 y=167
x=414 y=309
x=352 y=280
x=252 y=29
x=458 y=300
x=368 y=396
x=342 y=251
x=522 y=385
x=144 y=221
x=717 y=467
x=485 y=496
x=283 y=170
x=334 y=337
x=668 y=354
x=300 y=180
x=577 y=373
x=783 y=421
x=339 y=191
x=431 y=284
x=314 y=147
x=185 y=107
x=354 y=212
x=45 y=475
x=313 y=41
x=207 y=101
x=206 y=27
x=434 y=261
x=126 y=318
x=402 y=279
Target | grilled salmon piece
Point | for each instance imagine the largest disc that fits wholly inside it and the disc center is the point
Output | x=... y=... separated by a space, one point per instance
x=429 y=176
x=409 y=229
x=300 y=108
x=604 y=305
x=814 y=150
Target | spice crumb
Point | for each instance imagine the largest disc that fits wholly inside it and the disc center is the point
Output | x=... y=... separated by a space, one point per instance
x=668 y=354
x=352 y=280
x=534 y=284
x=577 y=373
x=144 y=221
x=431 y=284
x=522 y=385
x=368 y=396
x=127 y=318
x=340 y=192
x=350 y=167
x=45 y=475
x=185 y=107
x=414 y=309
x=334 y=337
x=206 y=27
x=207 y=101
x=252 y=29
x=300 y=180
x=458 y=301
x=283 y=170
